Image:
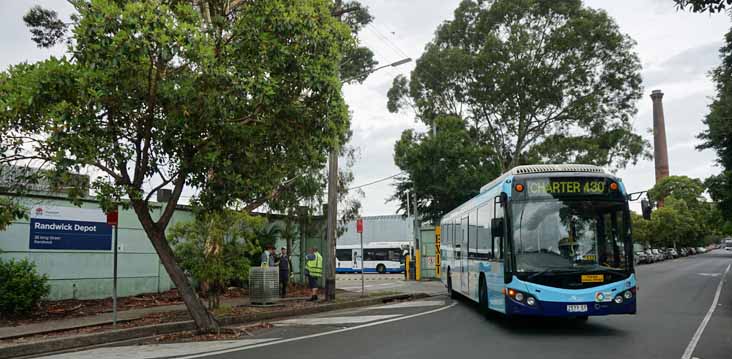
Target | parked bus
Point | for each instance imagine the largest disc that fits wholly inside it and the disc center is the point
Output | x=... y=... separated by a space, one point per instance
x=379 y=257
x=543 y=240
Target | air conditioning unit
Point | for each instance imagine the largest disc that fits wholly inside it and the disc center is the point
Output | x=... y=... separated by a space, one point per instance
x=264 y=285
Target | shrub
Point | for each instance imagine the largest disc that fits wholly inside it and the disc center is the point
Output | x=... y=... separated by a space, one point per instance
x=217 y=249
x=21 y=287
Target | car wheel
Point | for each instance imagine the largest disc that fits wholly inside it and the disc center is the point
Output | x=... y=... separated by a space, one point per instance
x=381 y=268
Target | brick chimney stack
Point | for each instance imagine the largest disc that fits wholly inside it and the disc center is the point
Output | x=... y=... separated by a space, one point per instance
x=660 y=149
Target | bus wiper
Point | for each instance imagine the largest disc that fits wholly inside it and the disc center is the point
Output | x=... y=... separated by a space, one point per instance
x=553 y=270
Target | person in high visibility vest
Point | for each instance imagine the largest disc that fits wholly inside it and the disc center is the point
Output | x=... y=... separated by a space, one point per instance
x=314 y=270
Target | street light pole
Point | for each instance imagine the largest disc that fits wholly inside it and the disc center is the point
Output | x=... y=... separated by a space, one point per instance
x=331 y=222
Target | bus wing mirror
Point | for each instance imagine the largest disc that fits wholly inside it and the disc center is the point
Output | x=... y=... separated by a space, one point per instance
x=646 y=209
x=497 y=227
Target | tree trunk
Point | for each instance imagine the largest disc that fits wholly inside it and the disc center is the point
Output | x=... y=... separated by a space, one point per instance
x=203 y=319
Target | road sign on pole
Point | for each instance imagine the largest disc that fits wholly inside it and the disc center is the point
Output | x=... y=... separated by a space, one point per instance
x=113 y=219
x=359 y=225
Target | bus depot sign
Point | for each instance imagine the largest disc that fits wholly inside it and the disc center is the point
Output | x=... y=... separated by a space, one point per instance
x=69 y=228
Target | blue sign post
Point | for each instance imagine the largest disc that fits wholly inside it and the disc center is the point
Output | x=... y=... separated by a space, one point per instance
x=58 y=228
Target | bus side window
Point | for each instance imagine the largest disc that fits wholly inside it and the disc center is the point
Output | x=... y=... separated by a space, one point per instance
x=497 y=241
x=485 y=250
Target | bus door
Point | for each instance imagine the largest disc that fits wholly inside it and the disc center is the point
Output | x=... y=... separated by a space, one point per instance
x=465 y=245
x=495 y=279
x=357 y=261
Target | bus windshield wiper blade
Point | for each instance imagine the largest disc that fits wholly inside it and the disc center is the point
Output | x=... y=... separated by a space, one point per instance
x=552 y=270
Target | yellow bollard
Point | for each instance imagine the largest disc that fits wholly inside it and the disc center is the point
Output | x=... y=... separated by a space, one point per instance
x=417 y=260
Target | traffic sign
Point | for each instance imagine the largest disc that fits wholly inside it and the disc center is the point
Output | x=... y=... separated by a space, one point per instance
x=113 y=218
x=359 y=225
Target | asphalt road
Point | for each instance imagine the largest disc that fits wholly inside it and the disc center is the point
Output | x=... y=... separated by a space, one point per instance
x=674 y=299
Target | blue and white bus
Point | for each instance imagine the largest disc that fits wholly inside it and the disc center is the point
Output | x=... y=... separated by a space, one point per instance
x=543 y=240
x=379 y=257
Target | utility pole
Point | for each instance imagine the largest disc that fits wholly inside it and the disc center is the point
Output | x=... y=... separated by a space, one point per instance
x=332 y=219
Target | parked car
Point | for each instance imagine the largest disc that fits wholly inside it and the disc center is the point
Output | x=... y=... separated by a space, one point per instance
x=700 y=250
x=667 y=253
x=650 y=255
x=658 y=255
x=692 y=251
x=683 y=252
x=673 y=253
x=641 y=257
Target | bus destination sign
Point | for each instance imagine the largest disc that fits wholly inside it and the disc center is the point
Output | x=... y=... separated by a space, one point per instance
x=542 y=187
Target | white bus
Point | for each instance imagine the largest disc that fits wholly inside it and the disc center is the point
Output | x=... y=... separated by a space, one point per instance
x=379 y=257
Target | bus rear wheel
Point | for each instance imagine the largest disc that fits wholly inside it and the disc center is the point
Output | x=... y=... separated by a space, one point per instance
x=451 y=292
x=381 y=268
x=483 y=297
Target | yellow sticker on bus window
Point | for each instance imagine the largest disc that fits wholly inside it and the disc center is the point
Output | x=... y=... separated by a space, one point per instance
x=593 y=278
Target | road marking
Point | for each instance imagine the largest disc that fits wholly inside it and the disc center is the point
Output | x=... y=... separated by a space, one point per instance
x=334 y=320
x=158 y=350
x=336 y=331
x=414 y=304
x=699 y=331
x=709 y=274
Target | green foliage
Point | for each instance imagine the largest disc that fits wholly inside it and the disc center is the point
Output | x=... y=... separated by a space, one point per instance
x=45 y=27
x=218 y=248
x=720 y=189
x=642 y=231
x=232 y=98
x=681 y=187
x=10 y=211
x=711 y=6
x=537 y=81
x=443 y=170
x=357 y=61
x=718 y=134
x=21 y=287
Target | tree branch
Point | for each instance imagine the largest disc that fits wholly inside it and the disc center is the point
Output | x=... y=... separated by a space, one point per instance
x=164 y=219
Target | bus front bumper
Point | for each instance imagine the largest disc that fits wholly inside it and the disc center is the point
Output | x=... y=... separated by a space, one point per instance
x=567 y=309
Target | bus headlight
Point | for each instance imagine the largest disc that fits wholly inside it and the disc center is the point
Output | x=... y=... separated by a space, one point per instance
x=531 y=301
x=628 y=294
x=519 y=296
x=618 y=299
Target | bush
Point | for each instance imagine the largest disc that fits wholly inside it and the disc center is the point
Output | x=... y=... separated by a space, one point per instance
x=217 y=249
x=21 y=287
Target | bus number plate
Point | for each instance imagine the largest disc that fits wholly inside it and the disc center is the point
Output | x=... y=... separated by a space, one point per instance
x=577 y=308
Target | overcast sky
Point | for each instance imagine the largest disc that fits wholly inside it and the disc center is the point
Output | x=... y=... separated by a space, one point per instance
x=677 y=50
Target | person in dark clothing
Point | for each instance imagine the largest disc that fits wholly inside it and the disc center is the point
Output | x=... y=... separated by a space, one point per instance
x=285 y=266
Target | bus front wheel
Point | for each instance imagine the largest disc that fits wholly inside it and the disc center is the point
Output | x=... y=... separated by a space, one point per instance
x=381 y=268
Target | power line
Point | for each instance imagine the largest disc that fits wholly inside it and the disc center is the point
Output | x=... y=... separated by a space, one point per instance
x=384 y=39
x=375 y=182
